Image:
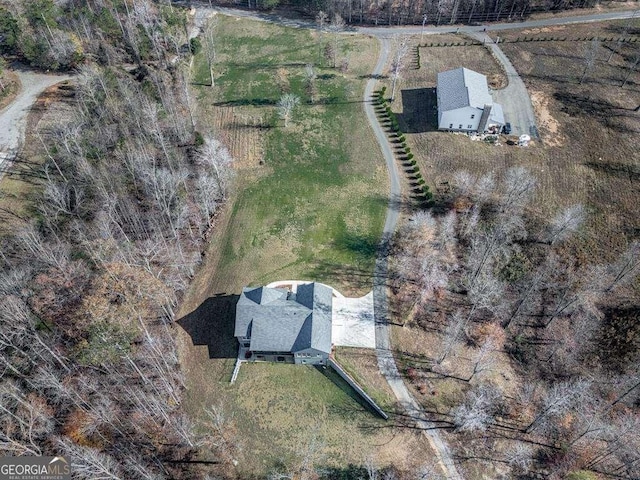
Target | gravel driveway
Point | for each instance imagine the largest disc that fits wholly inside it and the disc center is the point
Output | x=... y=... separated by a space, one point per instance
x=514 y=98
x=14 y=117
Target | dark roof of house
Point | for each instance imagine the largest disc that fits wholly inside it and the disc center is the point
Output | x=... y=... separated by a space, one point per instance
x=277 y=320
x=461 y=88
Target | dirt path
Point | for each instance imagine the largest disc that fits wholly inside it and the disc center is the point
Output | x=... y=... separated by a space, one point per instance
x=13 y=118
x=386 y=362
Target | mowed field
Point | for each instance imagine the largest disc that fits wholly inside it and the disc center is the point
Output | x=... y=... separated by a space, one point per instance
x=310 y=198
x=308 y=203
x=589 y=147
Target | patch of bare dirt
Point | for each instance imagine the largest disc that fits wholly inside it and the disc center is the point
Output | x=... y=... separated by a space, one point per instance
x=12 y=87
x=533 y=31
x=546 y=121
x=242 y=132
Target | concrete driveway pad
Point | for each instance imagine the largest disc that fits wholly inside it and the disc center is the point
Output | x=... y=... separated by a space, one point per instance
x=353 y=322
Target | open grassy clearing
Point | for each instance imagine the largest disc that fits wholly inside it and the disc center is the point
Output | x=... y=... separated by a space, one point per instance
x=315 y=208
x=309 y=202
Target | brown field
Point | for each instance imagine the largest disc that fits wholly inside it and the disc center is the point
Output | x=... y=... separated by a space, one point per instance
x=474 y=57
x=589 y=147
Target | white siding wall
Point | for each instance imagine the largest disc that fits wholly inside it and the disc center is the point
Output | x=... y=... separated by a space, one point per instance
x=460 y=119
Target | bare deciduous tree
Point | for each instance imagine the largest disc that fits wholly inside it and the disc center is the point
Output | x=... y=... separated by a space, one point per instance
x=478 y=411
x=337 y=25
x=209 y=47
x=89 y=463
x=216 y=158
x=286 y=105
x=590 y=57
x=402 y=47
x=310 y=78
x=565 y=223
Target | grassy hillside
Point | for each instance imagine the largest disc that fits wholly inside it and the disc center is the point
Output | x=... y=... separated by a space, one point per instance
x=309 y=203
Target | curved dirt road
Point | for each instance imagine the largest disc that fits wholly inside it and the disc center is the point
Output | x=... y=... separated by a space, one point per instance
x=14 y=116
x=386 y=362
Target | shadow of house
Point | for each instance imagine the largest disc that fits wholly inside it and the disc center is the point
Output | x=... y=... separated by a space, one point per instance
x=212 y=324
x=419 y=110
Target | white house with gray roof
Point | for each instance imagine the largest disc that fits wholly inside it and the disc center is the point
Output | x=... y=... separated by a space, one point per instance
x=279 y=325
x=465 y=104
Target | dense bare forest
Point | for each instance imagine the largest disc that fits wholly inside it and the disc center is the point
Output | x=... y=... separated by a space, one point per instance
x=542 y=349
x=126 y=191
x=412 y=12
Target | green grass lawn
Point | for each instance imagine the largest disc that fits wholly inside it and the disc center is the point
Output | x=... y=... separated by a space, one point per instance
x=285 y=406
x=315 y=208
x=312 y=208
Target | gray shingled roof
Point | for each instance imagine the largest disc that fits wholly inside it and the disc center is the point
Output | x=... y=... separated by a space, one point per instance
x=278 y=321
x=461 y=88
x=318 y=298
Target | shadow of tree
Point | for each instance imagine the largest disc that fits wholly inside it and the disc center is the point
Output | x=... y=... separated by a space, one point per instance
x=357 y=277
x=241 y=102
x=212 y=324
x=616 y=169
x=419 y=110
x=605 y=112
x=362 y=245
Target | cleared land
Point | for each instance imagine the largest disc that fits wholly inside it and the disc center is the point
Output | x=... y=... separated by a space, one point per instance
x=589 y=132
x=309 y=202
x=310 y=198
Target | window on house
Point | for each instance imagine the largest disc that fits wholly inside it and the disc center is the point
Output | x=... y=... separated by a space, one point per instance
x=469 y=126
x=451 y=125
x=279 y=359
x=460 y=126
x=473 y=116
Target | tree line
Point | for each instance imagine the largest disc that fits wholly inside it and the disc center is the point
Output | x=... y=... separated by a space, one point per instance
x=412 y=12
x=125 y=195
x=494 y=286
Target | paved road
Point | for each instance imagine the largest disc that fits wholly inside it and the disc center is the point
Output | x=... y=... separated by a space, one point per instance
x=595 y=17
x=514 y=98
x=384 y=31
x=386 y=362
x=13 y=118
